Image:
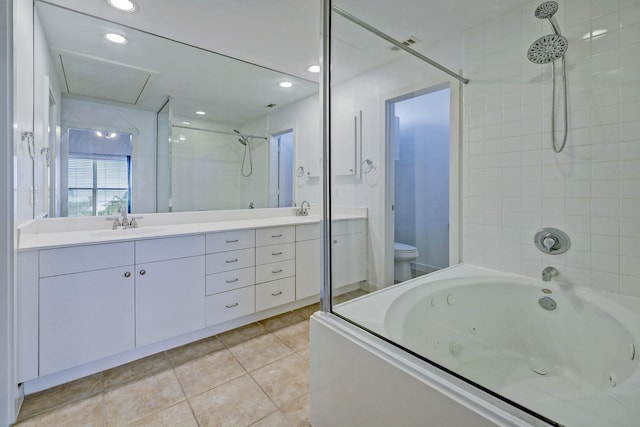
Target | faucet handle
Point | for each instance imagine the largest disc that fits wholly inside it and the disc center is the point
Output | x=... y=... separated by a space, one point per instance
x=116 y=221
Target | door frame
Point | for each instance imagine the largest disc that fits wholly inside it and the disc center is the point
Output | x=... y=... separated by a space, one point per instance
x=273 y=136
x=455 y=192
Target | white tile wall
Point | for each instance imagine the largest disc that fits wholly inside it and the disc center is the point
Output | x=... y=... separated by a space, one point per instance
x=513 y=183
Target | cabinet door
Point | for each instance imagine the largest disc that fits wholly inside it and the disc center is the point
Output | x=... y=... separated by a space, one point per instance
x=169 y=298
x=307 y=268
x=85 y=317
x=345 y=136
x=347 y=260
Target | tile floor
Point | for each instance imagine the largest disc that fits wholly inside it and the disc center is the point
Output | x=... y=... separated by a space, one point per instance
x=256 y=375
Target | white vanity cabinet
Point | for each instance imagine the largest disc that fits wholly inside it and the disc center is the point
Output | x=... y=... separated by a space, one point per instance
x=307 y=260
x=170 y=287
x=85 y=315
x=230 y=278
x=275 y=266
x=348 y=252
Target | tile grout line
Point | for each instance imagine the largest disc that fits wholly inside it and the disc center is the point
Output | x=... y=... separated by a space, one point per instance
x=173 y=368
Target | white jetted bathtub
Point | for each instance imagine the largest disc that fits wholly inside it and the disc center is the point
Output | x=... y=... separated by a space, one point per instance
x=565 y=352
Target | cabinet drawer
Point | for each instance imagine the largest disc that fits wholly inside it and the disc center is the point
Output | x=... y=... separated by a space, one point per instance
x=228 y=280
x=275 y=235
x=54 y=262
x=307 y=232
x=274 y=271
x=232 y=260
x=275 y=293
x=230 y=240
x=229 y=305
x=275 y=253
x=169 y=248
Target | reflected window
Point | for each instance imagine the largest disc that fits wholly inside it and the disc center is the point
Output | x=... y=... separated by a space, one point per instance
x=98 y=172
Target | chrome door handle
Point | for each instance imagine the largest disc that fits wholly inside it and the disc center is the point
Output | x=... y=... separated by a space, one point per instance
x=231 y=261
x=143 y=272
x=232 y=241
x=231 y=281
x=232 y=305
x=127 y=274
x=276 y=271
x=276 y=235
x=275 y=294
x=276 y=253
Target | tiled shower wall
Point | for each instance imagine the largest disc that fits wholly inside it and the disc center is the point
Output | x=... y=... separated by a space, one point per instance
x=514 y=184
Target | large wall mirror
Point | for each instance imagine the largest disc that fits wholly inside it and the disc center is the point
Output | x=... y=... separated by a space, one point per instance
x=156 y=125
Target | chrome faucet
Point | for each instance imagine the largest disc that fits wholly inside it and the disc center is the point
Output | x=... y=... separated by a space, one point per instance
x=548 y=273
x=125 y=222
x=303 y=211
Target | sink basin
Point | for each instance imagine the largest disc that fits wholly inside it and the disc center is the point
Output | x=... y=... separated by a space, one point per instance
x=126 y=232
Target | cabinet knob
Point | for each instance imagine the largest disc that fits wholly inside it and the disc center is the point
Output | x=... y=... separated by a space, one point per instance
x=143 y=272
x=127 y=274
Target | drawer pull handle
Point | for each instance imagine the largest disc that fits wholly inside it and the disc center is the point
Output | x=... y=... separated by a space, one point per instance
x=127 y=274
x=276 y=253
x=276 y=235
x=276 y=271
x=143 y=272
x=232 y=281
x=232 y=305
x=232 y=241
x=231 y=261
x=275 y=294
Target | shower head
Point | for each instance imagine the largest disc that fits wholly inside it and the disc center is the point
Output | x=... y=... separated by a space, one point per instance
x=243 y=141
x=547 y=49
x=546 y=10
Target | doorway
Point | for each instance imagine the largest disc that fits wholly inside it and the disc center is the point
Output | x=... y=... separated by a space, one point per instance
x=418 y=143
x=281 y=170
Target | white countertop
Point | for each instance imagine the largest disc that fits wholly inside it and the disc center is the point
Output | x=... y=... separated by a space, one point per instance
x=33 y=237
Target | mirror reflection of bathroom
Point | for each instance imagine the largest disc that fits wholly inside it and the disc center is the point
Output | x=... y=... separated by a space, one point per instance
x=418 y=129
x=281 y=170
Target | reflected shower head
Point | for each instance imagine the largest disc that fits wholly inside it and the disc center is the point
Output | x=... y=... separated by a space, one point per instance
x=547 y=49
x=546 y=10
x=243 y=141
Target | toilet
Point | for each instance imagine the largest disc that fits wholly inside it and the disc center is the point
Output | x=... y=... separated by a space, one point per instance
x=402 y=256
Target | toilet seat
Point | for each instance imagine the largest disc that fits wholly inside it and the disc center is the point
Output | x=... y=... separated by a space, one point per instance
x=404 y=249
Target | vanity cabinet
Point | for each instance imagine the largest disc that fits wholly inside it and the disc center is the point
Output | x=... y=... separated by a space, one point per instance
x=275 y=266
x=99 y=302
x=169 y=292
x=307 y=260
x=348 y=253
x=85 y=315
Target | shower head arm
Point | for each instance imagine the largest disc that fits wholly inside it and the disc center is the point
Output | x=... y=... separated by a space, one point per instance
x=554 y=25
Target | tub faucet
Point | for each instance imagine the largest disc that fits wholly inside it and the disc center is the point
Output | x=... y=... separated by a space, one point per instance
x=303 y=211
x=548 y=273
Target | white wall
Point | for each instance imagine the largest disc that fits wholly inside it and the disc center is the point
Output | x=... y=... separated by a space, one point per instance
x=514 y=184
x=369 y=92
x=142 y=124
x=304 y=118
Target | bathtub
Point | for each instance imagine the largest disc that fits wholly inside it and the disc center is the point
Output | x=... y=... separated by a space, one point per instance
x=567 y=353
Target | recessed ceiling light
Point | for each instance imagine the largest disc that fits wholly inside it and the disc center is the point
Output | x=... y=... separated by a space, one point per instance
x=200 y=113
x=186 y=123
x=182 y=138
x=286 y=84
x=124 y=5
x=115 y=38
x=99 y=134
x=314 y=69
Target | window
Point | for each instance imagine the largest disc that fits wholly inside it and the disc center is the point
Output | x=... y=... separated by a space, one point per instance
x=98 y=185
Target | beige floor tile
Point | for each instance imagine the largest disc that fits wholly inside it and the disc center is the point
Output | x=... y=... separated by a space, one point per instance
x=237 y=403
x=244 y=333
x=183 y=354
x=85 y=412
x=307 y=311
x=282 y=320
x=177 y=415
x=138 y=399
x=296 y=336
x=277 y=419
x=297 y=411
x=305 y=353
x=136 y=370
x=260 y=351
x=42 y=401
x=207 y=372
x=284 y=380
